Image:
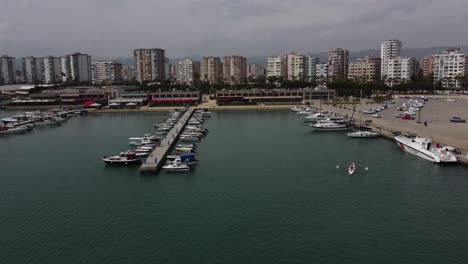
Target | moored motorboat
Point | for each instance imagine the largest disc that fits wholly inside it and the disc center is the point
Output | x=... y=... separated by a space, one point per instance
x=423 y=148
x=329 y=127
x=14 y=130
x=363 y=134
x=125 y=158
x=174 y=167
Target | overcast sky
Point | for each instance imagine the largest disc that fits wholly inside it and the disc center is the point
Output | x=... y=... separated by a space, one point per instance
x=192 y=28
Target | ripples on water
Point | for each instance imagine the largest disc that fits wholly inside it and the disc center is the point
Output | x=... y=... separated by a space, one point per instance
x=266 y=191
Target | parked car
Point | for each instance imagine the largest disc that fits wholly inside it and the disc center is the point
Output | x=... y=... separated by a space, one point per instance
x=407 y=117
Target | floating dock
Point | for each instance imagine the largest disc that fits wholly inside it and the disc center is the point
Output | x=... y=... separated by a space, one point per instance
x=157 y=158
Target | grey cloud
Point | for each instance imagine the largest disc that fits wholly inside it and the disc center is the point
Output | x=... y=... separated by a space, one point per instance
x=221 y=27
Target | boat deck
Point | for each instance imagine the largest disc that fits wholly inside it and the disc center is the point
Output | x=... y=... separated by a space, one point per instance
x=156 y=159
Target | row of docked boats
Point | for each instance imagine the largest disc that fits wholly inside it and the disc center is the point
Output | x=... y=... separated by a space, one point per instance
x=143 y=146
x=27 y=121
x=418 y=146
x=184 y=154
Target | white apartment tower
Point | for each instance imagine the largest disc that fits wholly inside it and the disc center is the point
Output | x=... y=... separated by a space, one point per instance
x=297 y=66
x=321 y=72
x=188 y=69
x=390 y=49
x=312 y=67
x=400 y=69
x=76 y=68
x=276 y=66
x=7 y=70
x=106 y=72
x=211 y=70
x=448 y=66
x=52 y=69
x=32 y=70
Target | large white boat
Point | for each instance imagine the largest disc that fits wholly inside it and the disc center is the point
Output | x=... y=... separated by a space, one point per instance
x=423 y=148
x=363 y=134
x=329 y=127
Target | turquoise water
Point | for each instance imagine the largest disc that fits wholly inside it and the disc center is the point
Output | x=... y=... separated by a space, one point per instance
x=266 y=191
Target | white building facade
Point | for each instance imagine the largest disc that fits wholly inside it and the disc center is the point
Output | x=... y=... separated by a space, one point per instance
x=7 y=70
x=400 y=69
x=321 y=72
x=448 y=66
x=187 y=71
x=297 y=66
x=106 y=72
x=276 y=67
x=52 y=69
x=312 y=67
x=390 y=49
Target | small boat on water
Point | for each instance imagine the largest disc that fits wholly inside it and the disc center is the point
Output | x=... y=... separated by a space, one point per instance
x=14 y=130
x=176 y=166
x=187 y=158
x=329 y=127
x=189 y=138
x=351 y=169
x=125 y=158
x=423 y=148
x=363 y=134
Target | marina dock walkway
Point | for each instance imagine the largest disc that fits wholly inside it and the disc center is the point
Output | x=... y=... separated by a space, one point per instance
x=156 y=159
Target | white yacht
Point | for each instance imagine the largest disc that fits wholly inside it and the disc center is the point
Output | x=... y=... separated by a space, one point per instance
x=329 y=127
x=125 y=158
x=363 y=134
x=189 y=138
x=314 y=117
x=14 y=130
x=176 y=166
x=423 y=148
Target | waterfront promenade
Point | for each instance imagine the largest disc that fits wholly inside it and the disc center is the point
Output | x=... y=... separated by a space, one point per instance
x=156 y=159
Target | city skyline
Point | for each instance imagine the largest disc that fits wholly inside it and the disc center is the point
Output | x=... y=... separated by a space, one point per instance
x=262 y=28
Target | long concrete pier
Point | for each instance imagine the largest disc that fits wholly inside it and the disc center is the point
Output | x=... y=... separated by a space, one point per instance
x=156 y=160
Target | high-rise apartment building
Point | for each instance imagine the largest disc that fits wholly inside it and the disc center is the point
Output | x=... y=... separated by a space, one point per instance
x=255 y=71
x=7 y=70
x=150 y=64
x=297 y=66
x=400 y=69
x=312 y=68
x=52 y=69
x=428 y=65
x=276 y=67
x=106 y=72
x=449 y=65
x=390 y=49
x=128 y=73
x=188 y=71
x=338 y=64
x=211 y=70
x=321 y=73
x=32 y=70
x=80 y=67
x=365 y=69
x=235 y=69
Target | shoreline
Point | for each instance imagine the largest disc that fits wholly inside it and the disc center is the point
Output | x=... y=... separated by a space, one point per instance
x=385 y=128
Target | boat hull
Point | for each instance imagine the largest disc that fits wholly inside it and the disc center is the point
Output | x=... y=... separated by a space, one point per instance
x=442 y=157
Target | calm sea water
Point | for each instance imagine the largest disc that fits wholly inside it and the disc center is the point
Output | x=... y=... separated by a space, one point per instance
x=266 y=191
